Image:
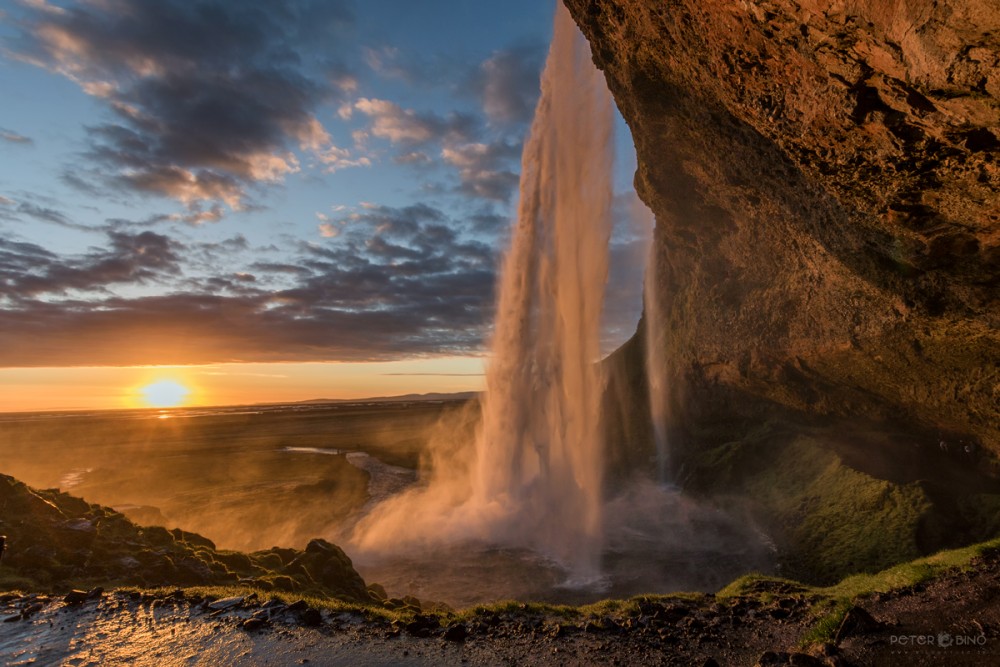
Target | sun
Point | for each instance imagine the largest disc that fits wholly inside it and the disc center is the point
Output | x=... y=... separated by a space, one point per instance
x=164 y=394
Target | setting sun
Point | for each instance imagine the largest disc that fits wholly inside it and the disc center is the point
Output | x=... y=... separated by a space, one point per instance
x=164 y=394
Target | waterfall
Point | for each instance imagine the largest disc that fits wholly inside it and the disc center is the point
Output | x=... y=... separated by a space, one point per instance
x=655 y=349
x=539 y=454
x=534 y=478
x=512 y=502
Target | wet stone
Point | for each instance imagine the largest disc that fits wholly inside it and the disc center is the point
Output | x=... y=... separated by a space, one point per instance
x=75 y=597
x=253 y=623
x=311 y=618
x=226 y=603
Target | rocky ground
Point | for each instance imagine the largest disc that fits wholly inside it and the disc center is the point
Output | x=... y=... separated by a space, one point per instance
x=953 y=620
x=309 y=606
x=55 y=541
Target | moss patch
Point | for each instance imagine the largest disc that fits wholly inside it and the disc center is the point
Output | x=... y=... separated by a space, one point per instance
x=828 y=519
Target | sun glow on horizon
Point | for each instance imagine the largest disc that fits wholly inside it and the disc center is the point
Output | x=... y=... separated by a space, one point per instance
x=164 y=394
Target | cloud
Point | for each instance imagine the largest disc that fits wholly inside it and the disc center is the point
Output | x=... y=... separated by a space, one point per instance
x=41 y=212
x=207 y=99
x=417 y=68
x=508 y=84
x=28 y=270
x=335 y=159
x=385 y=61
x=482 y=168
x=405 y=126
x=394 y=283
x=15 y=138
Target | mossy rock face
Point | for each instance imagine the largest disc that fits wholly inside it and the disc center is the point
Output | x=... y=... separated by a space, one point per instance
x=267 y=560
x=56 y=541
x=328 y=565
x=830 y=519
x=237 y=562
x=194 y=539
x=158 y=535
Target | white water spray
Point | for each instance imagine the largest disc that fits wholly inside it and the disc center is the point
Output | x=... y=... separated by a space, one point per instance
x=535 y=479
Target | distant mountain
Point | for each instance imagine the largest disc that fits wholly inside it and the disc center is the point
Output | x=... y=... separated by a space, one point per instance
x=404 y=398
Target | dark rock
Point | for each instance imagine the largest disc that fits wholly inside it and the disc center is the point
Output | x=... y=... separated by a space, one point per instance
x=779 y=658
x=311 y=617
x=422 y=626
x=32 y=609
x=321 y=546
x=11 y=619
x=298 y=606
x=377 y=592
x=284 y=583
x=672 y=614
x=857 y=621
x=194 y=539
x=76 y=597
x=158 y=535
x=254 y=623
x=267 y=560
x=226 y=603
x=456 y=633
x=285 y=555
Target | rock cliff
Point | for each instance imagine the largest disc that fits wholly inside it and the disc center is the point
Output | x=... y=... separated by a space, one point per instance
x=826 y=183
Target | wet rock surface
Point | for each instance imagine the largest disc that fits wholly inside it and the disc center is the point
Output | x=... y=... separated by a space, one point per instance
x=754 y=628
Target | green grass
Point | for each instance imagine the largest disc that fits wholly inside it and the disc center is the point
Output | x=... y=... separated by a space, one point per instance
x=828 y=519
x=836 y=600
x=371 y=612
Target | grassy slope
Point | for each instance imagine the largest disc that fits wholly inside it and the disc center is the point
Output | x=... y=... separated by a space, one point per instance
x=834 y=601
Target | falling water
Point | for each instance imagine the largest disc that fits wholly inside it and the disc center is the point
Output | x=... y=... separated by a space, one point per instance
x=534 y=478
x=656 y=364
x=540 y=450
x=522 y=513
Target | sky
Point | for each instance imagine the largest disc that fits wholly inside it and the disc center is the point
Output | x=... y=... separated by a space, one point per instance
x=265 y=201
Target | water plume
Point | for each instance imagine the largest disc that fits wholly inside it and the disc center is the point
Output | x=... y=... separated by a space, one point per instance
x=535 y=478
x=656 y=367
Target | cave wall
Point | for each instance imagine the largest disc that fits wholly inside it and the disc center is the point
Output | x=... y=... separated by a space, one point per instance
x=826 y=182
